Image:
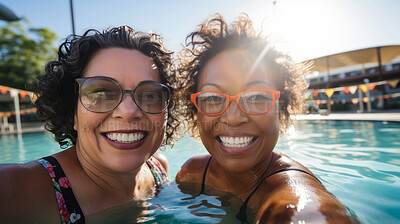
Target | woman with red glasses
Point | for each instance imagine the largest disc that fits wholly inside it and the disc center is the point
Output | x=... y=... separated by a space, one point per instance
x=107 y=102
x=241 y=92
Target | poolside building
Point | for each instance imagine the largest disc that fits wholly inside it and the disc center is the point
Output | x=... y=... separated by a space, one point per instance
x=359 y=80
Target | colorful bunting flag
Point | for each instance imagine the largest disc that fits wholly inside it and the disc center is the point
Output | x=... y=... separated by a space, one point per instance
x=353 y=89
x=371 y=86
x=3 y=89
x=364 y=87
x=329 y=92
x=393 y=83
x=23 y=93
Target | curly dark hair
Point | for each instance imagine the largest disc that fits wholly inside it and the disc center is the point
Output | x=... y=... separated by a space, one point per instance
x=214 y=36
x=56 y=90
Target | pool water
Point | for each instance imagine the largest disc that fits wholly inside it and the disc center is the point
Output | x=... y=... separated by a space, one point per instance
x=358 y=161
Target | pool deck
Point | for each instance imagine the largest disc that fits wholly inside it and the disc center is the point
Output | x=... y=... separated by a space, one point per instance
x=373 y=116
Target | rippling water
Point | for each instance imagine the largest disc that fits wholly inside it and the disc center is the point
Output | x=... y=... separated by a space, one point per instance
x=359 y=162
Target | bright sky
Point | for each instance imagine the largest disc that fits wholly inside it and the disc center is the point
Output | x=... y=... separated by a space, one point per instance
x=305 y=28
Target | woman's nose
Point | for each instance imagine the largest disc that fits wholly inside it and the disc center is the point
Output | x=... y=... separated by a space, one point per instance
x=234 y=115
x=127 y=109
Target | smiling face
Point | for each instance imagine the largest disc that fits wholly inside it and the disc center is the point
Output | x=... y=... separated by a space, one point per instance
x=236 y=140
x=123 y=139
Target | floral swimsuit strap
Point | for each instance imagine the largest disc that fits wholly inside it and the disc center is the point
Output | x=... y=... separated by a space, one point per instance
x=68 y=206
x=158 y=171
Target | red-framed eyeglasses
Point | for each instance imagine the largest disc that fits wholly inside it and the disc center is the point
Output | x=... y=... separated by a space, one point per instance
x=253 y=102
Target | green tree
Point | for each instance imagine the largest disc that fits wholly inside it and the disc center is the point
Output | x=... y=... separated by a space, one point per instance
x=24 y=53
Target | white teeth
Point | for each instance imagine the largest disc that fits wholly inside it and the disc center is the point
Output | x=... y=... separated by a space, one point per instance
x=125 y=137
x=236 y=142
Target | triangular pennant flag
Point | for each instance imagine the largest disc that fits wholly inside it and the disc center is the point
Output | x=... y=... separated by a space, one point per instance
x=346 y=90
x=315 y=93
x=393 y=83
x=364 y=87
x=23 y=93
x=329 y=92
x=354 y=100
x=3 y=89
x=365 y=99
x=353 y=89
x=371 y=86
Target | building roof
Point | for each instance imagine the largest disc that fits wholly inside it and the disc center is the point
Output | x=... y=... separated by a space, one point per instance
x=355 y=57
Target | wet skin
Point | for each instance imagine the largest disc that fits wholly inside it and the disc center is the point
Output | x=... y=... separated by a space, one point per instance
x=285 y=197
x=102 y=172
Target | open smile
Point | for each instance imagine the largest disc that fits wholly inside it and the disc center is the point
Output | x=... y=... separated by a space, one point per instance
x=237 y=141
x=126 y=139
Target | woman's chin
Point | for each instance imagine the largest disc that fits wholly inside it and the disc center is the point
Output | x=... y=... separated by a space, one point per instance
x=126 y=164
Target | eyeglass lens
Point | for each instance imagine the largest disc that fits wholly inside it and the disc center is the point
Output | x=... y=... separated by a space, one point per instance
x=254 y=102
x=103 y=95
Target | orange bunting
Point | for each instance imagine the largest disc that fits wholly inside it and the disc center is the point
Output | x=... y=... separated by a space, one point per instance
x=364 y=87
x=315 y=93
x=3 y=89
x=371 y=86
x=332 y=102
x=329 y=92
x=354 y=100
x=346 y=90
x=23 y=93
x=365 y=99
x=393 y=83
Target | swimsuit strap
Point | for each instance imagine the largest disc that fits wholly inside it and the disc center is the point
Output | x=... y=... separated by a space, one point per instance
x=242 y=215
x=69 y=209
x=158 y=171
x=204 y=176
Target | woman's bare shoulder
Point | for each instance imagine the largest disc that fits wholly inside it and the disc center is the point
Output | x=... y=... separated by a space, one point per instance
x=26 y=192
x=293 y=195
x=193 y=169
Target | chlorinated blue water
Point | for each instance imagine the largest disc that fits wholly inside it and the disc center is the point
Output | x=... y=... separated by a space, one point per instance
x=359 y=162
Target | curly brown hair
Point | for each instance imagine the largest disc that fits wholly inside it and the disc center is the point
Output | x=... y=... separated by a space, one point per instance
x=214 y=36
x=56 y=91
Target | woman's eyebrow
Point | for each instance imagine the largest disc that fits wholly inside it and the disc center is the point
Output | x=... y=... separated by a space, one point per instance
x=259 y=82
x=210 y=84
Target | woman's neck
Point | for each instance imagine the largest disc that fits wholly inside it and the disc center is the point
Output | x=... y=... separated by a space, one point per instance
x=243 y=183
x=97 y=189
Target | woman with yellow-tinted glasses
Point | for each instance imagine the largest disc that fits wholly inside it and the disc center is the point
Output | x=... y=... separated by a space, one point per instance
x=242 y=92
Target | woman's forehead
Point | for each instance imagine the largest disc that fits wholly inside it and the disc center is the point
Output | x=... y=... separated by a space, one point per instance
x=235 y=66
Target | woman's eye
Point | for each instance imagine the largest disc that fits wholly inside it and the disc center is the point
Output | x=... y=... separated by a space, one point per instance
x=149 y=95
x=257 y=98
x=212 y=99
